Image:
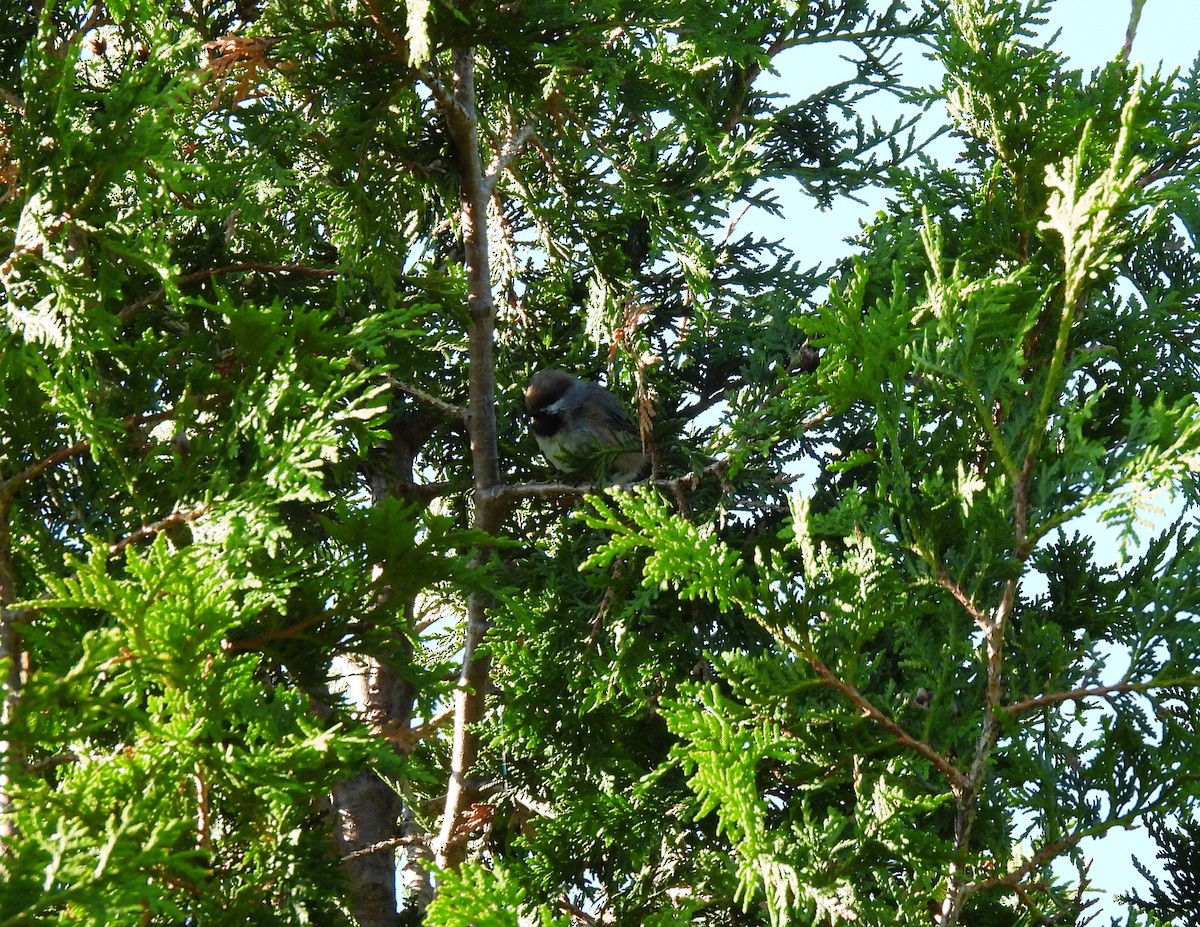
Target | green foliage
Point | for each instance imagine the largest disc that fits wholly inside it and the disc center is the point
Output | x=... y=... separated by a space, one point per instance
x=852 y=655
x=184 y=782
x=974 y=420
x=1174 y=902
x=478 y=897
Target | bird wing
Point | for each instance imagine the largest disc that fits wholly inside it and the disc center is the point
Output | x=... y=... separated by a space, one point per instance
x=605 y=411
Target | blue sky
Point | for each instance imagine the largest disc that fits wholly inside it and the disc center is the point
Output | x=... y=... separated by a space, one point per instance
x=1092 y=32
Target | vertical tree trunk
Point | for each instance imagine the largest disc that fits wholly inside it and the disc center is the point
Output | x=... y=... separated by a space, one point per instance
x=369 y=814
x=367 y=808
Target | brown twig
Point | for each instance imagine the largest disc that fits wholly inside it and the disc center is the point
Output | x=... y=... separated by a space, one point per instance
x=175 y=518
x=381 y=25
x=578 y=915
x=1170 y=163
x=1076 y=695
x=529 y=803
x=512 y=148
x=384 y=845
x=255 y=642
x=448 y=409
x=1040 y=858
x=432 y=726
x=203 y=816
x=605 y=604
x=11 y=486
x=748 y=75
x=50 y=762
x=960 y=595
x=994 y=627
x=952 y=773
x=510 y=493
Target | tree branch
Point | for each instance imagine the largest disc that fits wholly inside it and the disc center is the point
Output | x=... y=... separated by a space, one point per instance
x=960 y=595
x=463 y=127
x=11 y=655
x=1076 y=695
x=507 y=494
x=175 y=518
x=957 y=890
x=390 y=844
x=448 y=409
x=1035 y=862
x=512 y=148
x=255 y=642
x=952 y=773
x=1048 y=852
x=11 y=486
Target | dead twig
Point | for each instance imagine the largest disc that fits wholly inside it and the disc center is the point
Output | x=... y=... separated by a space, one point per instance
x=175 y=518
x=420 y=840
x=952 y=773
x=1077 y=695
x=447 y=409
x=513 y=147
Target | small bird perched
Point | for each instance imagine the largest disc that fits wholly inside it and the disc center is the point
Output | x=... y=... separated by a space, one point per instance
x=582 y=428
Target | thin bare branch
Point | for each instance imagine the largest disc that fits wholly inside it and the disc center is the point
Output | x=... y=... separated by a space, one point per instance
x=540 y=808
x=1170 y=163
x=391 y=844
x=381 y=25
x=474 y=197
x=448 y=409
x=468 y=711
x=512 y=149
x=50 y=762
x=1040 y=858
x=438 y=90
x=514 y=492
x=432 y=726
x=509 y=493
x=425 y=493
x=952 y=773
x=255 y=642
x=960 y=595
x=958 y=890
x=748 y=75
x=732 y=225
x=146 y=531
x=1052 y=850
x=1077 y=695
x=11 y=486
x=578 y=915
x=203 y=810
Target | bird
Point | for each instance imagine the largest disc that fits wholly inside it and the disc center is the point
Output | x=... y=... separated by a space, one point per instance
x=582 y=428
